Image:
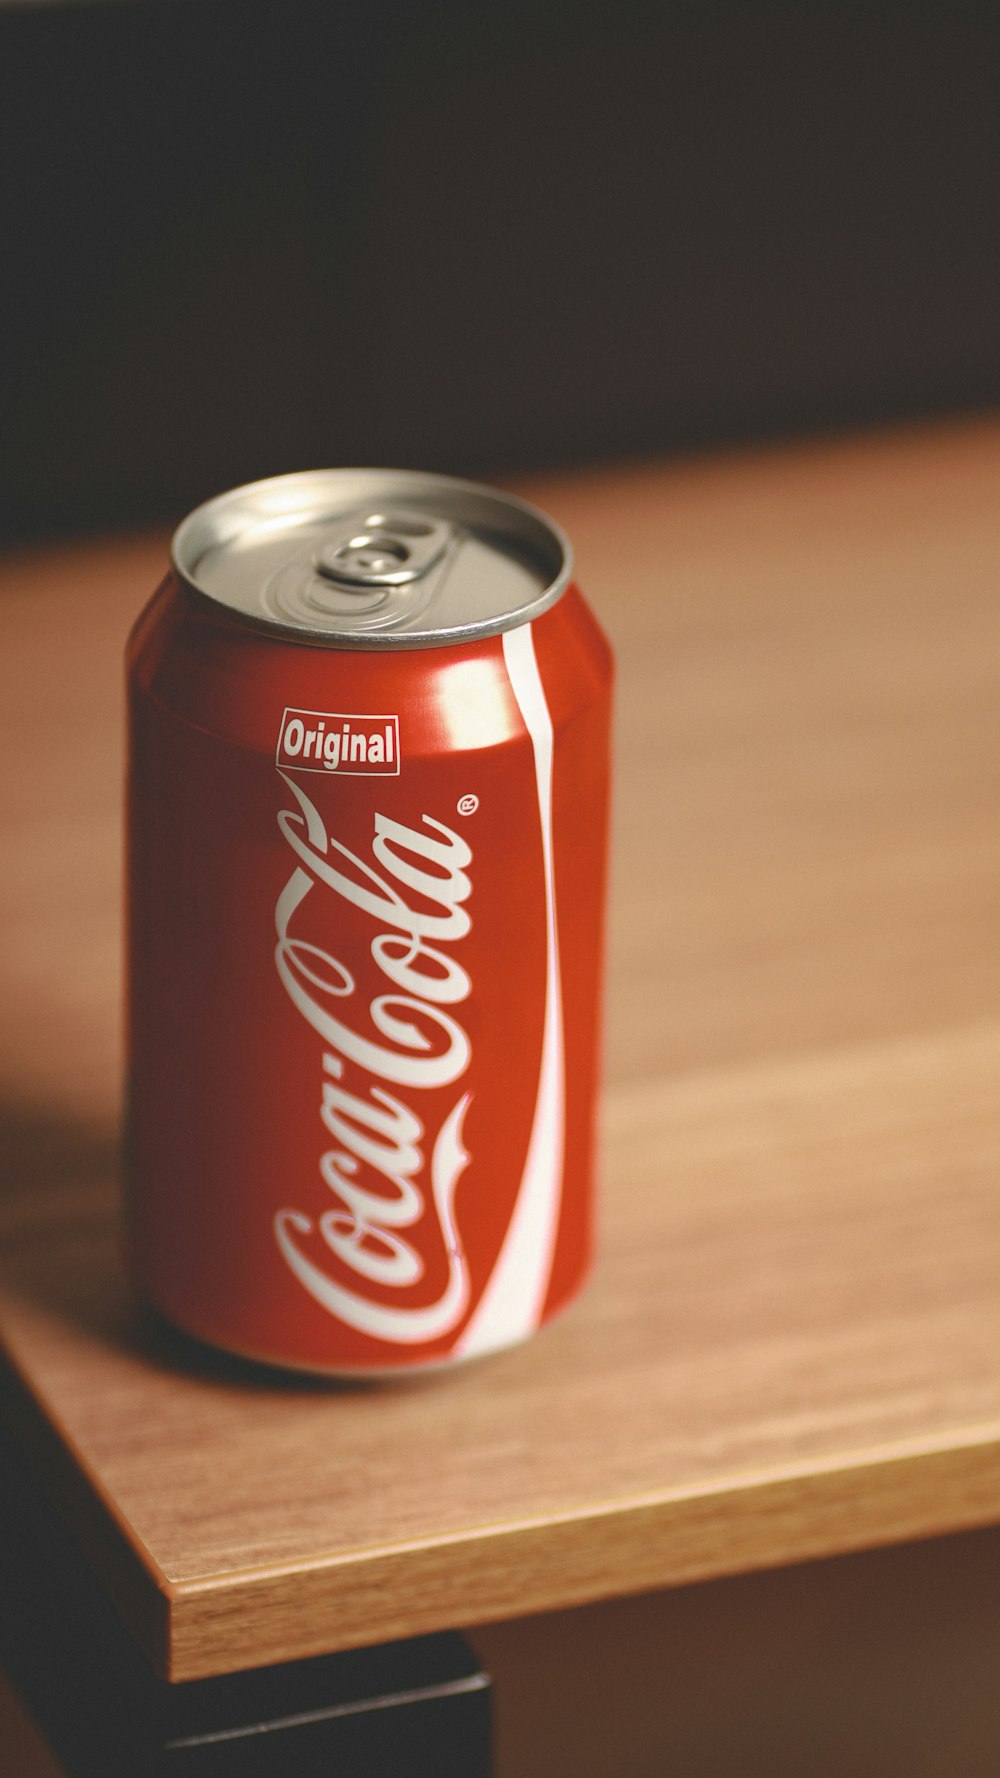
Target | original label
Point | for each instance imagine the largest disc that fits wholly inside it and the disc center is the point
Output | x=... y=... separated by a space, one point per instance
x=333 y=741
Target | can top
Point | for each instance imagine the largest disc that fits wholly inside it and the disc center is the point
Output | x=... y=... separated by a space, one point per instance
x=373 y=558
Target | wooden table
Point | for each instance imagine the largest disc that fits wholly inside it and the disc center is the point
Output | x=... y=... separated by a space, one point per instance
x=790 y=1349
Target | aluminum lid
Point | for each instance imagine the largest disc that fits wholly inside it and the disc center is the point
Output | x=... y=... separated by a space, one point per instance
x=373 y=558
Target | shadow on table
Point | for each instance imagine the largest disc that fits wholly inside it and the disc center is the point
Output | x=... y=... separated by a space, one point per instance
x=60 y=1254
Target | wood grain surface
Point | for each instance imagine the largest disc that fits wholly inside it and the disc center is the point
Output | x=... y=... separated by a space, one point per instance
x=791 y=1347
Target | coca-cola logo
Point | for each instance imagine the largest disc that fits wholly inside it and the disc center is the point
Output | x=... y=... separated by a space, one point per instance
x=411 y=897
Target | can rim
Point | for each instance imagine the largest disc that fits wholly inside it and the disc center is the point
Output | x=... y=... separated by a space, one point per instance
x=215 y=522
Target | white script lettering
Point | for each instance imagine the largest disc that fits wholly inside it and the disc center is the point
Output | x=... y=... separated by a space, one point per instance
x=373 y=1172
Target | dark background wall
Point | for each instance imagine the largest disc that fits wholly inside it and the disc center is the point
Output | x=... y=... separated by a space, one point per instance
x=240 y=238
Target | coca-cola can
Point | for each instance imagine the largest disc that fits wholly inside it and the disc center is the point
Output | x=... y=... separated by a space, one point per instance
x=367 y=836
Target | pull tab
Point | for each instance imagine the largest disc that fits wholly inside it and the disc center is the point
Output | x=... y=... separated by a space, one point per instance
x=388 y=548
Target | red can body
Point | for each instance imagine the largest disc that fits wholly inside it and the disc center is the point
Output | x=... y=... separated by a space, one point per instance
x=364 y=983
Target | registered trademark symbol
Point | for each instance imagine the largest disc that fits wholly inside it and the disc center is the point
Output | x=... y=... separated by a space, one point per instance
x=467 y=805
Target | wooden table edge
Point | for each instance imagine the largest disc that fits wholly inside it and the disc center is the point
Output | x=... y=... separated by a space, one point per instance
x=123 y=1566
x=201 y=1626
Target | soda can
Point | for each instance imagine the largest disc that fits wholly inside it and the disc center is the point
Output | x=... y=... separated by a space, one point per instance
x=367 y=837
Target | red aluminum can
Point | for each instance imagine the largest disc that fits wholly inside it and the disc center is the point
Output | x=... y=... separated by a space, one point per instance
x=367 y=834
